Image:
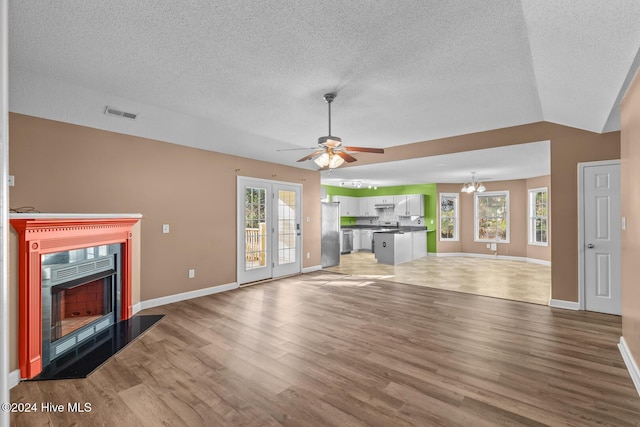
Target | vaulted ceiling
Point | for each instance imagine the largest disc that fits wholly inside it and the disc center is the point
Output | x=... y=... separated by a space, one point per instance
x=247 y=78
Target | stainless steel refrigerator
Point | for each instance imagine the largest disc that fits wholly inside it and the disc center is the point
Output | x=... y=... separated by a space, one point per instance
x=330 y=234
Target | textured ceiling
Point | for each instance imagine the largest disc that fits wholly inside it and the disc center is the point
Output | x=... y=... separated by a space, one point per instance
x=247 y=78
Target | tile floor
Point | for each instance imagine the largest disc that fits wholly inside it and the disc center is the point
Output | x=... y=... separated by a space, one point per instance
x=513 y=280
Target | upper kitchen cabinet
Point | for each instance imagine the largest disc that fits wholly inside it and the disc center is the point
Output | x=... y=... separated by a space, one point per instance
x=366 y=206
x=348 y=205
x=409 y=205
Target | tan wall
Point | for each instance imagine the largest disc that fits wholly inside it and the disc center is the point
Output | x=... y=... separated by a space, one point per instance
x=61 y=167
x=630 y=175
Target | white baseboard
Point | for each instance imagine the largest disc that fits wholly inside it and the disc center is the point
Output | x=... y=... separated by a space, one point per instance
x=632 y=366
x=137 y=307
x=186 y=295
x=312 y=268
x=567 y=305
x=490 y=256
x=14 y=378
x=539 y=261
x=156 y=302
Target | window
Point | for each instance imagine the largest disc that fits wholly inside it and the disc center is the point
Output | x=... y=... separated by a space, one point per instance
x=538 y=217
x=449 y=216
x=492 y=216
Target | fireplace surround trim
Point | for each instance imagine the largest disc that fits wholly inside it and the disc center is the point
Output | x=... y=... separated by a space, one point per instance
x=40 y=234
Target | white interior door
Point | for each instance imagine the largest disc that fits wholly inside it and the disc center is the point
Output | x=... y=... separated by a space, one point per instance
x=269 y=229
x=601 y=238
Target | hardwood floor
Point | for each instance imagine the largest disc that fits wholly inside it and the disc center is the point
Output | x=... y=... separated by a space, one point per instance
x=326 y=349
x=499 y=278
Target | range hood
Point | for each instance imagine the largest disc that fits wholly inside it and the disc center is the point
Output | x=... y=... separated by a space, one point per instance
x=384 y=205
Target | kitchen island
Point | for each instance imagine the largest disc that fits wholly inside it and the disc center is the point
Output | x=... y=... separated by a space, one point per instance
x=397 y=247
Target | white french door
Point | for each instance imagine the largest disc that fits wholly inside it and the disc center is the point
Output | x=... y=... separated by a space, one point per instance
x=269 y=229
x=600 y=237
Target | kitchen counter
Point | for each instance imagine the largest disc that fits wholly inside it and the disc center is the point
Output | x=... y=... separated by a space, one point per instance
x=397 y=247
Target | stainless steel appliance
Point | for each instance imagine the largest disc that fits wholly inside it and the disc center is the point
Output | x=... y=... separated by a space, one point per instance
x=347 y=241
x=330 y=234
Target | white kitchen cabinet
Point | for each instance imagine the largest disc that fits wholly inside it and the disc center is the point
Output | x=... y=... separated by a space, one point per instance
x=348 y=205
x=409 y=205
x=419 y=244
x=356 y=239
x=365 y=240
x=384 y=200
x=366 y=206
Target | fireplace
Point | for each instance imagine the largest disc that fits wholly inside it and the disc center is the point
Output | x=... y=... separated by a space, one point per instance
x=80 y=291
x=74 y=274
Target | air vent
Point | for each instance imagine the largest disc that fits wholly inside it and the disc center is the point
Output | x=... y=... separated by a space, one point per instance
x=115 y=112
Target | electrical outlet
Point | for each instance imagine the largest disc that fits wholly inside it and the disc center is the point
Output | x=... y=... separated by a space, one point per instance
x=308 y=219
x=308 y=255
x=165 y=228
x=192 y=273
x=494 y=247
x=488 y=245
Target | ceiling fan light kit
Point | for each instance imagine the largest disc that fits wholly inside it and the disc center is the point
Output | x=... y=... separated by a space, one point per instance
x=332 y=154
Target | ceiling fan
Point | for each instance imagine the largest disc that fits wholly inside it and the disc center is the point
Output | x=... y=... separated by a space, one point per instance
x=330 y=152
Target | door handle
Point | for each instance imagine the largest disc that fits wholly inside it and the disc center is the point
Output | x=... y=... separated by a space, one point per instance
x=590 y=246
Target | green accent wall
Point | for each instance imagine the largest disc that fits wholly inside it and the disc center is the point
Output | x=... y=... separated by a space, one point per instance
x=430 y=203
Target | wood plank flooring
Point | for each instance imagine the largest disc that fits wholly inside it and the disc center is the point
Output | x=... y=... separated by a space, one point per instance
x=499 y=278
x=326 y=349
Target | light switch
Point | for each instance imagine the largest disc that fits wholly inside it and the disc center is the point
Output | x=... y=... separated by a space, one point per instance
x=12 y=180
x=308 y=219
x=192 y=273
x=165 y=228
x=624 y=222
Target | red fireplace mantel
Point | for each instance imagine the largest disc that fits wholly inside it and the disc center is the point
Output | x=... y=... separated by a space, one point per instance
x=40 y=234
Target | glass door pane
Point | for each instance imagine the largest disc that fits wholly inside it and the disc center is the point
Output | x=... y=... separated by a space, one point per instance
x=255 y=229
x=288 y=232
x=286 y=227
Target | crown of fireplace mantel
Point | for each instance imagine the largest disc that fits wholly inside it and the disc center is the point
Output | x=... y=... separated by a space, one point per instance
x=45 y=233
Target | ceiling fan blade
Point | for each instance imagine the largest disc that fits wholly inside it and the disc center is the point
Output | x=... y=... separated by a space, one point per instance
x=310 y=156
x=295 y=149
x=346 y=156
x=365 y=149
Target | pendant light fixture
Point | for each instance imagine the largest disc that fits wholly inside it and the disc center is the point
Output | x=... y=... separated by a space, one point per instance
x=473 y=185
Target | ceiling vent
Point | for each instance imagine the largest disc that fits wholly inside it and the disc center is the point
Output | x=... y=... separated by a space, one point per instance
x=115 y=112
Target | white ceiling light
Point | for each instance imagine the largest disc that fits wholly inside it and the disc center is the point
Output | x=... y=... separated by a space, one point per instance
x=472 y=186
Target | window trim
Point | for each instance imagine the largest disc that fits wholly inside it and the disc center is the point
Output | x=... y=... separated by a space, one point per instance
x=530 y=208
x=507 y=215
x=456 y=208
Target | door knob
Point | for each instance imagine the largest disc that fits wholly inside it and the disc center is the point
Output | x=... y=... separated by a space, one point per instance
x=590 y=246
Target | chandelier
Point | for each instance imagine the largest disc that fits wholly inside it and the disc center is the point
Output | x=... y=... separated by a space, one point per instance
x=472 y=186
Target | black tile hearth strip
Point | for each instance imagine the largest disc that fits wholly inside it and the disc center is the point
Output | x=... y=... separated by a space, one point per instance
x=91 y=355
